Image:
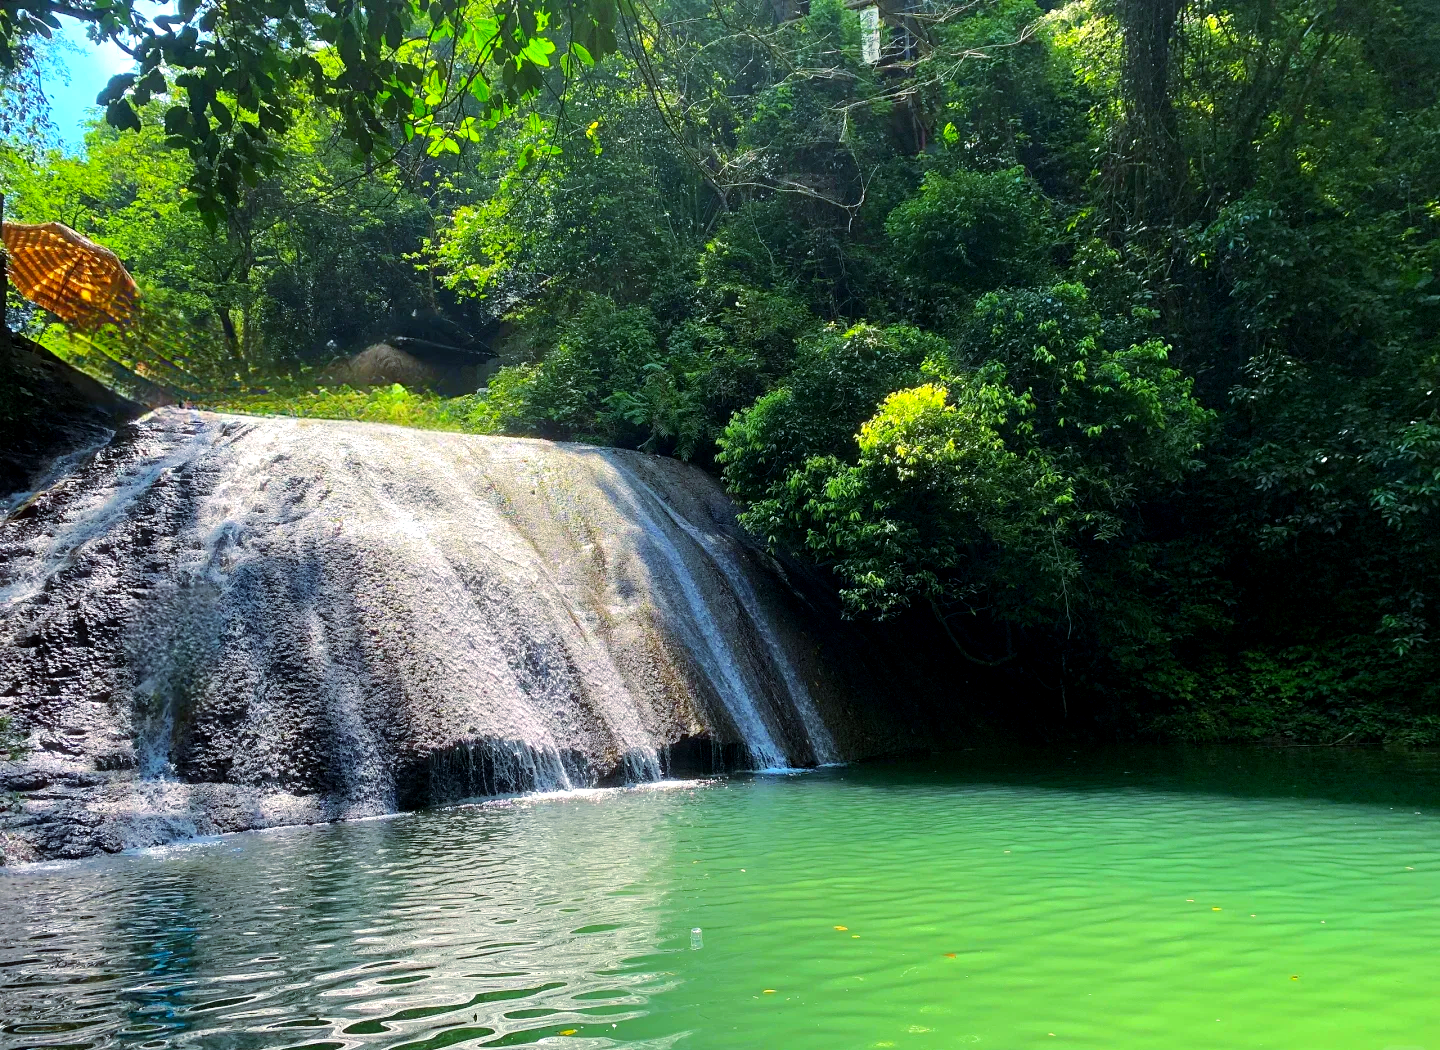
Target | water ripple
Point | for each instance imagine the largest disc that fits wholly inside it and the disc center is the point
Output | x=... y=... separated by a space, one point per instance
x=917 y=906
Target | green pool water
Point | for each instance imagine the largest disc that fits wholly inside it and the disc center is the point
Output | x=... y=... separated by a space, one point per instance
x=1136 y=899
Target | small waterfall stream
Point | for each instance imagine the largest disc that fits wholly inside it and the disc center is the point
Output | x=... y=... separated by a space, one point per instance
x=820 y=740
x=381 y=617
x=707 y=641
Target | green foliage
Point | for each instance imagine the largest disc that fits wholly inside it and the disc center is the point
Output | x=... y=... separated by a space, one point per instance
x=506 y=405
x=1332 y=691
x=12 y=741
x=1025 y=103
x=595 y=221
x=392 y=404
x=1003 y=485
x=934 y=494
x=230 y=72
x=616 y=375
x=966 y=233
x=601 y=383
x=838 y=378
x=319 y=254
x=125 y=192
x=1114 y=411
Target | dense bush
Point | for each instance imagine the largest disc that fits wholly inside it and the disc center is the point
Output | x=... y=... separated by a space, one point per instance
x=966 y=233
x=1008 y=476
x=838 y=378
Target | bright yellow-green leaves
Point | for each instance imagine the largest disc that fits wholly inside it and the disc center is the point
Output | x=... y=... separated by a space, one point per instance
x=972 y=471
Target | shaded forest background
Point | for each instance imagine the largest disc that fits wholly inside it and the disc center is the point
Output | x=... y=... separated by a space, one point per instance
x=1098 y=343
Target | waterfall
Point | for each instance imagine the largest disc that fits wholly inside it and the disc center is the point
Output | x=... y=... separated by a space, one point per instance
x=820 y=740
x=384 y=617
x=709 y=642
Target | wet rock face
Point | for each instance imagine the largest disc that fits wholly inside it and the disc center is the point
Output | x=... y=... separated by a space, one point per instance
x=219 y=623
x=48 y=410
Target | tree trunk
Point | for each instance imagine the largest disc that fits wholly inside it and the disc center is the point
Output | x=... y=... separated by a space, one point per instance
x=231 y=336
x=1147 y=165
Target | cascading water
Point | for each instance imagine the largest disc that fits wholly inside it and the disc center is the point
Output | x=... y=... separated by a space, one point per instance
x=818 y=735
x=708 y=642
x=319 y=619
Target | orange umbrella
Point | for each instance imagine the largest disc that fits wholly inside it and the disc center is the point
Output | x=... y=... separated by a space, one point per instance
x=69 y=275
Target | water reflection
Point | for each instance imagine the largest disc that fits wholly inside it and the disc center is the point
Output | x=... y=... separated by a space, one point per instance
x=489 y=923
x=1229 y=899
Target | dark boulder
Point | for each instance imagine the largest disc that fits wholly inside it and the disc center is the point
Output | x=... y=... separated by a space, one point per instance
x=414 y=363
x=49 y=410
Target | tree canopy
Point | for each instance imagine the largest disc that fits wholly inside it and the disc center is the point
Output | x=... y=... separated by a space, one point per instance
x=436 y=68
